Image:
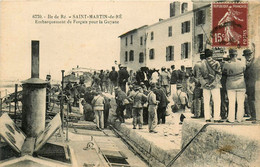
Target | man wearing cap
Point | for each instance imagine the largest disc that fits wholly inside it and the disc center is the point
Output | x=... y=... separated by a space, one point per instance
x=197 y=98
x=164 y=80
x=120 y=96
x=138 y=100
x=235 y=85
x=122 y=78
x=180 y=99
x=250 y=80
x=163 y=102
x=152 y=109
x=173 y=80
x=113 y=75
x=210 y=76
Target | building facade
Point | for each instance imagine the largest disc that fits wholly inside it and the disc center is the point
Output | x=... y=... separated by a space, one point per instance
x=169 y=42
x=178 y=40
x=132 y=48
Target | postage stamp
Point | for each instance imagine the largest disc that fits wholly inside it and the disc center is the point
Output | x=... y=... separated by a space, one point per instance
x=229 y=24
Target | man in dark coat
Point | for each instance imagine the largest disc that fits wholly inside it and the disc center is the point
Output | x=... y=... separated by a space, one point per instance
x=122 y=78
x=160 y=93
x=113 y=76
x=139 y=76
x=250 y=80
x=120 y=96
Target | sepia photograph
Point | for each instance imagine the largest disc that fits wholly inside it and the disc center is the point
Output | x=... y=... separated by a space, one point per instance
x=130 y=83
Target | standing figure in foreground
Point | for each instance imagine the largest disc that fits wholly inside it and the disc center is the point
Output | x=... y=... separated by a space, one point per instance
x=210 y=76
x=235 y=85
x=120 y=96
x=250 y=79
x=152 y=109
x=138 y=100
x=113 y=75
x=98 y=107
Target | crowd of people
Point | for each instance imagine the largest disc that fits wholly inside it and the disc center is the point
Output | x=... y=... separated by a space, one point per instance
x=213 y=89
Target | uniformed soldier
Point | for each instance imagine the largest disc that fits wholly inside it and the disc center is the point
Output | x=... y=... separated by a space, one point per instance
x=235 y=84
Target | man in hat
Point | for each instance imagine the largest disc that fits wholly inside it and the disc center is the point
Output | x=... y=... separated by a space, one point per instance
x=235 y=85
x=180 y=99
x=129 y=106
x=165 y=80
x=120 y=96
x=98 y=107
x=210 y=76
x=174 y=79
x=122 y=78
x=250 y=80
x=152 y=109
x=138 y=100
x=163 y=102
x=197 y=98
x=113 y=75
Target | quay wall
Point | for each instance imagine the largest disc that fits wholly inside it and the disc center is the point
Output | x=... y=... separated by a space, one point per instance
x=221 y=145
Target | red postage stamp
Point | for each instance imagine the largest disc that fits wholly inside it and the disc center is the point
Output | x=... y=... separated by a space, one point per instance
x=229 y=24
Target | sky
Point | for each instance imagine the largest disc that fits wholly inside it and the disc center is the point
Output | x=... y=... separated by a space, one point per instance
x=68 y=45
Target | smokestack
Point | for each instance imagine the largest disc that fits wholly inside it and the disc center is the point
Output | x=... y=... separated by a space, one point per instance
x=35 y=59
x=34 y=98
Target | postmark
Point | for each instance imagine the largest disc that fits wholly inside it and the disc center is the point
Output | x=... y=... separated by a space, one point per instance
x=229 y=24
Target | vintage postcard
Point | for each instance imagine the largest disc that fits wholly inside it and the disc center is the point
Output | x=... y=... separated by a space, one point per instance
x=130 y=83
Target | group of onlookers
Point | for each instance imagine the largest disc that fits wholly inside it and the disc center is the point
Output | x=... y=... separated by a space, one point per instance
x=213 y=89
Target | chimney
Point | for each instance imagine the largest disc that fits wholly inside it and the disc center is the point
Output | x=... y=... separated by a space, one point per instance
x=175 y=8
x=34 y=98
x=35 y=60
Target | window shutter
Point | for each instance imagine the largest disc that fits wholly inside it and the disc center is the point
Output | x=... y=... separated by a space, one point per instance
x=188 y=26
x=189 y=49
x=182 y=51
x=167 y=53
x=203 y=16
x=182 y=28
x=196 y=18
x=172 y=58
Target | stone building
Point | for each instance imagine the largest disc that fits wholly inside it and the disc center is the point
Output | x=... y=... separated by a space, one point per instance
x=132 y=48
x=178 y=40
x=169 y=42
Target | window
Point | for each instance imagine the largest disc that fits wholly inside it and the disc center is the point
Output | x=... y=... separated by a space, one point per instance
x=185 y=50
x=184 y=7
x=141 y=57
x=141 y=40
x=131 y=55
x=131 y=39
x=126 y=56
x=200 y=17
x=169 y=31
x=200 y=43
x=125 y=41
x=170 y=53
x=152 y=35
x=151 y=54
x=185 y=27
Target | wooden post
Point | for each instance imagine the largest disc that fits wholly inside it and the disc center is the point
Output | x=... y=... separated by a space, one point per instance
x=61 y=100
x=15 y=102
